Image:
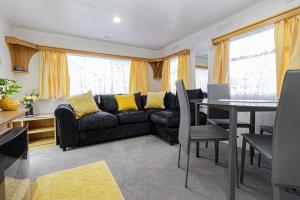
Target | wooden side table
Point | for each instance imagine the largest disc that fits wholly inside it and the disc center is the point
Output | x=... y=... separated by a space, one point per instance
x=41 y=129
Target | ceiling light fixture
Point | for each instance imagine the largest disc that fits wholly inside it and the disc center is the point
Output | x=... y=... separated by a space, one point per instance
x=116 y=20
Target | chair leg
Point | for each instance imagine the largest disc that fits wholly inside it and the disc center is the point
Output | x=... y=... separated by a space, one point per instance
x=216 y=152
x=243 y=161
x=179 y=152
x=276 y=193
x=237 y=168
x=187 y=169
x=259 y=155
x=198 y=149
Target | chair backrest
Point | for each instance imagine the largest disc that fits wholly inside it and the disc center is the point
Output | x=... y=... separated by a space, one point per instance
x=218 y=91
x=286 y=136
x=185 y=116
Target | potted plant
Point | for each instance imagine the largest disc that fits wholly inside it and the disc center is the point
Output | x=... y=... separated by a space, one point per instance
x=28 y=100
x=8 y=87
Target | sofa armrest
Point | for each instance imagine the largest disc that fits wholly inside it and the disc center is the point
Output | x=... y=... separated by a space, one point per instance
x=66 y=126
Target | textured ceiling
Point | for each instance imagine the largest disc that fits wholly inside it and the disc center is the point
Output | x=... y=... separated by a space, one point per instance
x=150 y=24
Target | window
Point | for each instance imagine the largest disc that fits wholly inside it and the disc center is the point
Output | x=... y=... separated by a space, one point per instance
x=173 y=73
x=201 y=78
x=100 y=75
x=253 y=65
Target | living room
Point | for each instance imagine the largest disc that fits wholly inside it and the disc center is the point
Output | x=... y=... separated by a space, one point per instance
x=92 y=106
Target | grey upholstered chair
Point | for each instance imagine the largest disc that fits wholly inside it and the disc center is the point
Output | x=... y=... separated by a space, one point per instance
x=188 y=133
x=283 y=148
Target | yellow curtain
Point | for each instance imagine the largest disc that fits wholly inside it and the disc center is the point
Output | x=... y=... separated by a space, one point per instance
x=54 y=75
x=138 y=77
x=221 y=63
x=287 y=45
x=166 y=76
x=183 y=69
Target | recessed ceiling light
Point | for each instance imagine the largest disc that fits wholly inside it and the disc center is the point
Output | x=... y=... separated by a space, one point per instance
x=116 y=20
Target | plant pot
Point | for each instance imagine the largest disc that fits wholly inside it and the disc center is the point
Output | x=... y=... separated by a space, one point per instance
x=9 y=104
x=30 y=110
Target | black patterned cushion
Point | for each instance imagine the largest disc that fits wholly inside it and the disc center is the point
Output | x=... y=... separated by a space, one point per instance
x=168 y=118
x=170 y=100
x=98 y=120
x=192 y=94
x=132 y=116
x=138 y=100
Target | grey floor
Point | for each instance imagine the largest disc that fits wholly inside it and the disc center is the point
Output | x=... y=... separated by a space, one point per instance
x=146 y=169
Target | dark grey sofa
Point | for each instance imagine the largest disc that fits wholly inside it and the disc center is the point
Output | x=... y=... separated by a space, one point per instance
x=111 y=124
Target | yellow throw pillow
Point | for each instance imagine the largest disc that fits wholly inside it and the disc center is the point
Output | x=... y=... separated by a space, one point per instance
x=126 y=102
x=83 y=104
x=155 y=100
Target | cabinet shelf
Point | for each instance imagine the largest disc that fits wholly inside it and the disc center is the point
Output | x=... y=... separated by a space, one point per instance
x=41 y=129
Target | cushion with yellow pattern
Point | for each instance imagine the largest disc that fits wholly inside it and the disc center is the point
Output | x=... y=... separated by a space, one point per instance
x=83 y=104
x=155 y=100
x=126 y=102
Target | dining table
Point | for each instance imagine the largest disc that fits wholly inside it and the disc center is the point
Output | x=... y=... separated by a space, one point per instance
x=234 y=107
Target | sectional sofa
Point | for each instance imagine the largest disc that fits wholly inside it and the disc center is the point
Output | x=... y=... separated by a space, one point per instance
x=111 y=124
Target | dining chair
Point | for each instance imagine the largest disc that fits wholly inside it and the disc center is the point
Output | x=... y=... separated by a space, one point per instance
x=263 y=129
x=283 y=147
x=188 y=133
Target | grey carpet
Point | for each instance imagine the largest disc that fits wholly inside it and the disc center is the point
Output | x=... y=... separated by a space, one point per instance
x=146 y=169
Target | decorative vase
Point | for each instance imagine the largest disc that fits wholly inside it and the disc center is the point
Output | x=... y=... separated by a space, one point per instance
x=30 y=110
x=9 y=104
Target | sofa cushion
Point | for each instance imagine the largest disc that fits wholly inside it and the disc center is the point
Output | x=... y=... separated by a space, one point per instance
x=168 y=118
x=83 y=104
x=170 y=100
x=132 y=116
x=155 y=100
x=98 y=120
x=138 y=100
x=126 y=102
x=192 y=94
x=109 y=104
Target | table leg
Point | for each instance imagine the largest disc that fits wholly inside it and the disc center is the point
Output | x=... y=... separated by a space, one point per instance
x=196 y=124
x=196 y=114
x=252 y=131
x=232 y=153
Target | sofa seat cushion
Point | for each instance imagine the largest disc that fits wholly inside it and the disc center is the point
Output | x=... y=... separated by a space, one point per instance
x=168 y=118
x=98 y=120
x=132 y=116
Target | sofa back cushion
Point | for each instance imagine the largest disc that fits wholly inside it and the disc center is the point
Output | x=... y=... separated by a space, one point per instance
x=192 y=94
x=107 y=103
x=170 y=100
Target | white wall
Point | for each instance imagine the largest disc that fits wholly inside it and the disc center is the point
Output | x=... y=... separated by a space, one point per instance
x=201 y=61
x=5 y=66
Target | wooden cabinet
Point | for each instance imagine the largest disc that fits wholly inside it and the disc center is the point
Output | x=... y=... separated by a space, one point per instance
x=41 y=129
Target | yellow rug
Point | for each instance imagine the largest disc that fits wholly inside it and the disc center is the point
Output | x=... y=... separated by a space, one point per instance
x=89 y=182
